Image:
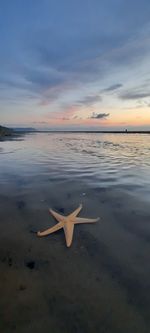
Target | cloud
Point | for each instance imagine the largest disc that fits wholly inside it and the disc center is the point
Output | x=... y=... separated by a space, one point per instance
x=40 y=78
x=60 y=64
x=134 y=94
x=89 y=100
x=113 y=87
x=140 y=104
x=82 y=59
x=99 y=115
x=65 y=118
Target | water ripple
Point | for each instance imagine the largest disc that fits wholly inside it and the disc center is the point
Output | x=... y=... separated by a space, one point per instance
x=105 y=160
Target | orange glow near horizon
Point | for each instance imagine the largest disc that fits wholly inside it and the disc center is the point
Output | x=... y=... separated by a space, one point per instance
x=80 y=116
x=75 y=116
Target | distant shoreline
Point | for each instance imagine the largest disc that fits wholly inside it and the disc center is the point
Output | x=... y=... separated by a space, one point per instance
x=107 y=132
x=11 y=133
x=8 y=134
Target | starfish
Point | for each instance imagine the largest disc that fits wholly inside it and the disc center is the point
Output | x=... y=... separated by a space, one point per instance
x=67 y=223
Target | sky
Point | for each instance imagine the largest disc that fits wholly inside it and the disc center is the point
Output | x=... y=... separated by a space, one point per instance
x=75 y=64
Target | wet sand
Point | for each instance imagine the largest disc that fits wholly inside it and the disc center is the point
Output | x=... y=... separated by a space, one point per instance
x=100 y=284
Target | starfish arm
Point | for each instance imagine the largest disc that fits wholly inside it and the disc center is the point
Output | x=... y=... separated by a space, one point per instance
x=85 y=220
x=50 y=230
x=68 y=229
x=75 y=213
x=57 y=216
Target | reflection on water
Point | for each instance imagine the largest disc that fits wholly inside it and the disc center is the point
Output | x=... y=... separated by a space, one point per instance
x=102 y=283
x=103 y=160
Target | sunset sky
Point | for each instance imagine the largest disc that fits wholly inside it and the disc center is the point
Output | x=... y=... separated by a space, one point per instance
x=75 y=64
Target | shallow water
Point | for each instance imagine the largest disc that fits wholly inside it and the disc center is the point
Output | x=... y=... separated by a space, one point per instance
x=100 y=284
x=103 y=160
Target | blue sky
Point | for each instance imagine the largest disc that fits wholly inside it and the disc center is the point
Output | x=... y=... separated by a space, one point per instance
x=75 y=64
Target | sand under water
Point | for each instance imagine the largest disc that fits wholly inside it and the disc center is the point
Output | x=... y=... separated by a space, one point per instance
x=100 y=284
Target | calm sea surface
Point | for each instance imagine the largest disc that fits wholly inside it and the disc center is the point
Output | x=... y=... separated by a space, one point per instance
x=101 y=160
x=102 y=283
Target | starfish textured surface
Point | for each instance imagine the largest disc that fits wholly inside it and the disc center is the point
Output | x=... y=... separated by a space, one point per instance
x=67 y=223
